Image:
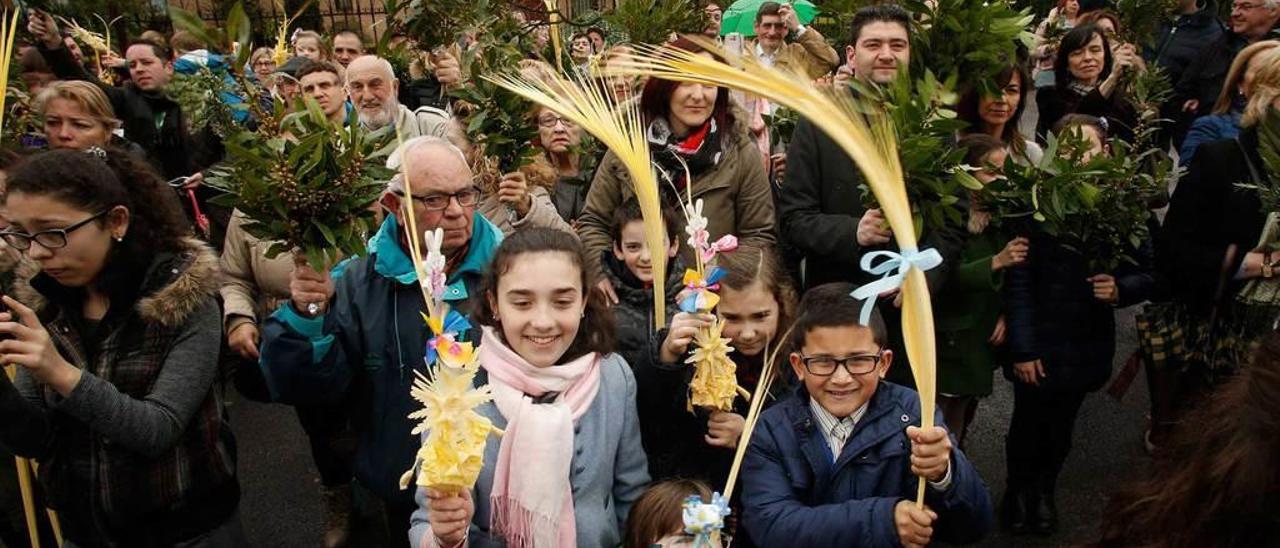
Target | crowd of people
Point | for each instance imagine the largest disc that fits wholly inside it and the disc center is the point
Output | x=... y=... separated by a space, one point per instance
x=135 y=304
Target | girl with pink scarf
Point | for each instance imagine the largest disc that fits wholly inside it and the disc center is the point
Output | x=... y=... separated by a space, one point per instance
x=570 y=462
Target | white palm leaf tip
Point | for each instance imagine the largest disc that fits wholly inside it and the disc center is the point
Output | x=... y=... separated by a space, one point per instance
x=619 y=127
x=864 y=133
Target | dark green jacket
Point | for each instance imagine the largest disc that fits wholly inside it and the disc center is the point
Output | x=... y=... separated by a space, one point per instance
x=965 y=315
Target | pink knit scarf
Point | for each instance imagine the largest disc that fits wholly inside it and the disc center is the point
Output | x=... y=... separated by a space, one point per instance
x=532 y=499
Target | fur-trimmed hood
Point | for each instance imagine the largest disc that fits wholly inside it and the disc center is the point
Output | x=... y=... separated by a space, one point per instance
x=173 y=288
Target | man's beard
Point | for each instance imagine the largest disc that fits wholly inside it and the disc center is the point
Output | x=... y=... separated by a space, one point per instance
x=384 y=117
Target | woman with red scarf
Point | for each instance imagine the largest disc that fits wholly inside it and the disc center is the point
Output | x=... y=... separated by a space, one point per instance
x=695 y=126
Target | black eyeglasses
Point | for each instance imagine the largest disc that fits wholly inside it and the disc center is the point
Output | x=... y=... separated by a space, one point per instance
x=551 y=121
x=48 y=239
x=825 y=366
x=439 y=202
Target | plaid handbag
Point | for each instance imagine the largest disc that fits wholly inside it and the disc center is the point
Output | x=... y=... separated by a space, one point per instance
x=1171 y=336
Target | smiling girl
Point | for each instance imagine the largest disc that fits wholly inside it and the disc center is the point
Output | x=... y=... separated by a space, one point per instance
x=756 y=302
x=569 y=464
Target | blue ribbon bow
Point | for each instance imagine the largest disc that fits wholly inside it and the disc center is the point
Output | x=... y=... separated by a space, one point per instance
x=893 y=269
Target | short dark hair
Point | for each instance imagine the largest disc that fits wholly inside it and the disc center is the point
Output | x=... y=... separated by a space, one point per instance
x=1076 y=39
x=352 y=32
x=597 y=30
x=1076 y=120
x=767 y=8
x=977 y=146
x=596 y=331
x=881 y=13
x=312 y=67
x=160 y=50
x=630 y=212
x=832 y=305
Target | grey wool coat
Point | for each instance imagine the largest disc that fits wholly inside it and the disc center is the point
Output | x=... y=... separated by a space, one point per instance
x=608 y=473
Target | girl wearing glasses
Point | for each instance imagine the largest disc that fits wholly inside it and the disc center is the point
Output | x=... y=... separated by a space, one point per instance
x=116 y=339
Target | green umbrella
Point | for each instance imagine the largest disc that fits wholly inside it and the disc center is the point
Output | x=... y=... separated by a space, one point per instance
x=741 y=16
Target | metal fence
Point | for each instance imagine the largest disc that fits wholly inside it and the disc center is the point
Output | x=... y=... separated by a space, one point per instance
x=325 y=16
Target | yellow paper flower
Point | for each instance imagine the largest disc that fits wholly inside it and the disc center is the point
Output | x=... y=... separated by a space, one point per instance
x=715 y=378
x=452 y=455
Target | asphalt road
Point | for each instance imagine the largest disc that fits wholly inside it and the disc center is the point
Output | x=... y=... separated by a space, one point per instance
x=281 y=505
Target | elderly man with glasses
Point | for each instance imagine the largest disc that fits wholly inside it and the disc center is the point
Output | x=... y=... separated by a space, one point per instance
x=355 y=336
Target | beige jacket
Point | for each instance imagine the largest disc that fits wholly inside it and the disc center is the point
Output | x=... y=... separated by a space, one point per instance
x=424 y=121
x=809 y=54
x=253 y=285
x=735 y=193
x=542 y=213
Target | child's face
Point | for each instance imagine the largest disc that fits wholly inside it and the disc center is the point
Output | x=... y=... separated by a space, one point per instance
x=1093 y=140
x=843 y=390
x=750 y=317
x=307 y=47
x=539 y=305
x=633 y=251
x=992 y=166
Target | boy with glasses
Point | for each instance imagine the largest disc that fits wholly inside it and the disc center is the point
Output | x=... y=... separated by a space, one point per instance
x=837 y=463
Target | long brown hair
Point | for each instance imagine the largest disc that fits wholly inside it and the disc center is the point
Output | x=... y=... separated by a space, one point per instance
x=751 y=264
x=659 y=511
x=1217 y=483
x=596 y=331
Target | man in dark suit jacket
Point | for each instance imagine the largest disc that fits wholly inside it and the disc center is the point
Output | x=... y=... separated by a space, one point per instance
x=820 y=206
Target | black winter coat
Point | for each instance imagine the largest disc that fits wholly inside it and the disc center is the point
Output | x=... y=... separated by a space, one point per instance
x=1054 y=104
x=1209 y=213
x=819 y=206
x=1053 y=317
x=1207 y=73
x=1179 y=44
x=638 y=341
x=151 y=119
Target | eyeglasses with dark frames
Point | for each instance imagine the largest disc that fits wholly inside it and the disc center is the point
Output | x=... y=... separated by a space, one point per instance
x=438 y=202
x=49 y=239
x=825 y=366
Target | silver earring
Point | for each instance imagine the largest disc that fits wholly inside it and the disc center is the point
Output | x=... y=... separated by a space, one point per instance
x=119 y=238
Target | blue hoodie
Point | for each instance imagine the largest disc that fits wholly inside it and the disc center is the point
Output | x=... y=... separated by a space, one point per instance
x=365 y=349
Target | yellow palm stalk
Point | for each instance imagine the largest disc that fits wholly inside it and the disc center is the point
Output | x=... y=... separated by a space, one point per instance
x=281 y=53
x=553 y=16
x=863 y=132
x=26 y=468
x=95 y=41
x=596 y=110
